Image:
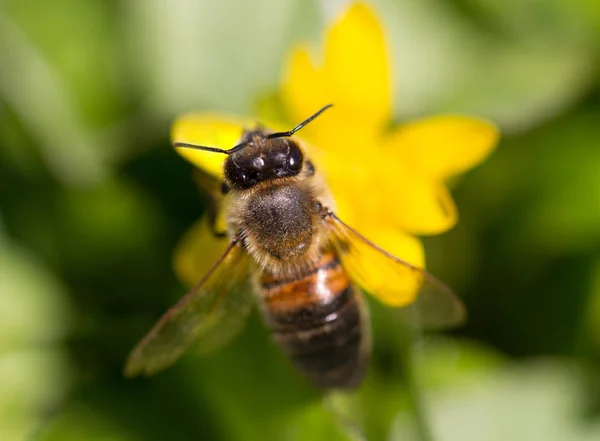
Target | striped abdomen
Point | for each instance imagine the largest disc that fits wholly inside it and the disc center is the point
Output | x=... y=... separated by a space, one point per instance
x=318 y=320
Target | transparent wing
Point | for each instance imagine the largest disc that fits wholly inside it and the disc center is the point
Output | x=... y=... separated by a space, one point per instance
x=211 y=314
x=393 y=281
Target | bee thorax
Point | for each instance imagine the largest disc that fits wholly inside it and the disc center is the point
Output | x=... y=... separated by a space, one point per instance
x=279 y=222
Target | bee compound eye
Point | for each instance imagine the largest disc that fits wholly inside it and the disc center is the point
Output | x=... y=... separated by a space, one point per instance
x=236 y=176
x=295 y=158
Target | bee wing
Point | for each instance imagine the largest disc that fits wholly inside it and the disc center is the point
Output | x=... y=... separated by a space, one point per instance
x=393 y=281
x=211 y=313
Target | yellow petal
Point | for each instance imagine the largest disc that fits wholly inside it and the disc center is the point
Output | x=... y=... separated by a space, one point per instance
x=303 y=89
x=356 y=184
x=208 y=130
x=443 y=146
x=420 y=205
x=402 y=245
x=373 y=187
x=197 y=252
x=357 y=67
x=390 y=282
x=355 y=76
x=369 y=186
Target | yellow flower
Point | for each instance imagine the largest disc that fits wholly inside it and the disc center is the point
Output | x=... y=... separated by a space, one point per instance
x=388 y=183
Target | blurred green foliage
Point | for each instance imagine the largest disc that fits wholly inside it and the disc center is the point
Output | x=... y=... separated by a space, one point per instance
x=93 y=201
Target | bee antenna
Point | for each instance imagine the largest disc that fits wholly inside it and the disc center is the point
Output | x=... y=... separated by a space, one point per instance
x=209 y=149
x=244 y=144
x=299 y=126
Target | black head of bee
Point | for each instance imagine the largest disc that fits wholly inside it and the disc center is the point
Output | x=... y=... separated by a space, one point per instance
x=260 y=156
x=263 y=159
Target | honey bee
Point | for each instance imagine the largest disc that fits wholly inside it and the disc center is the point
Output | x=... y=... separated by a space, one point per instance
x=303 y=264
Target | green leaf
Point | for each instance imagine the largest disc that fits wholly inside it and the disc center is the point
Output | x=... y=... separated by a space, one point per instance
x=592 y=321
x=545 y=185
x=34 y=315
x=525 y=63
x=33 y=305
x=253 y=390
x=520 y=403
x=82 y=423
x=68 y=144
x=392 y=388
x=183 y=71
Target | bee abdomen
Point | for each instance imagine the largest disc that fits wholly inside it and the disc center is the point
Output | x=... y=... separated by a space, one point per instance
x=318 y=321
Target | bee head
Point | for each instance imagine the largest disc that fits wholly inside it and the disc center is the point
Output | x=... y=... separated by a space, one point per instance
x=261 y=156
x=263 y=159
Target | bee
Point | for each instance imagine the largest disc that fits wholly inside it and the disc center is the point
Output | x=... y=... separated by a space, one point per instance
x=304 y=265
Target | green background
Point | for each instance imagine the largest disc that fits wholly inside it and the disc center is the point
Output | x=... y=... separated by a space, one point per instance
x=93 y=201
